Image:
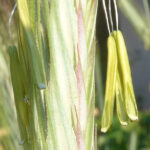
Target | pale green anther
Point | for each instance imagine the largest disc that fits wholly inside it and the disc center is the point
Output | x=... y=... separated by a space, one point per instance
x=130 y=102
x=118 y=76
x=108 y=109
x=120 y=99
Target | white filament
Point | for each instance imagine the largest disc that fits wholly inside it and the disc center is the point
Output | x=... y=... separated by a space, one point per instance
x=110 y=15
x=10 y=20
x=116 y=14
x=106 y=15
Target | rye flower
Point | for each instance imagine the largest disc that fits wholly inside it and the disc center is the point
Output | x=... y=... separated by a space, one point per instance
x=118 y=82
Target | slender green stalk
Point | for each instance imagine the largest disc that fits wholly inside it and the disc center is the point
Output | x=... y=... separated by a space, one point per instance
x=133 y=141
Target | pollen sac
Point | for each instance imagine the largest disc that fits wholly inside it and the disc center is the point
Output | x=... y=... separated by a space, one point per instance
x=123 y=63
x=107 y=115
x=119 y=85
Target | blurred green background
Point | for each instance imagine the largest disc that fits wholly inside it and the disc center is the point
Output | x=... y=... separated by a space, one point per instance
x=134 y=20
